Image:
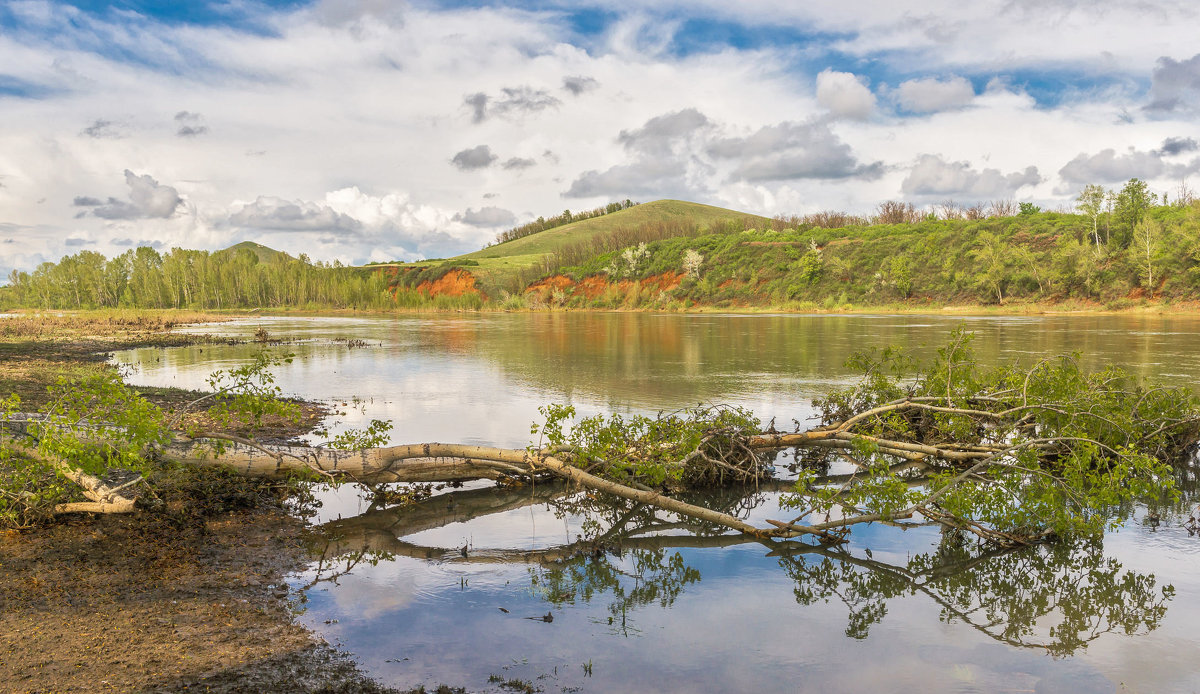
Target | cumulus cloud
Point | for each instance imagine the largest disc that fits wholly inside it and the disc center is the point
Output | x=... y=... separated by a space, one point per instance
x=277 y=214
x=792 y=151
x=683 y=153
x=190 y=124
x=1106 y=166
x=844 y=94
x=932 y=94
x=660 y=135
x=1175 y=85
x=578 y=85
x=518 y=163
x=478 y=157
x=147 y=200
x=655 y=178
x=486 y=217
x=85 y=201
x=1177 y=145
x=664 y=161
x=407 y=228
x=102 y=129
x=75 y=242
x=513 y=102
x=934 y=176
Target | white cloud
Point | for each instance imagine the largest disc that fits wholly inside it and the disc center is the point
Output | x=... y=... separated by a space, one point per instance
x=844 y=95
x=1106 y=166
x=934 y=177
x=487 y=217
x=275 y=214
x=147 y=200
x=932 y=94
x=338 y=125
x=1175 y=85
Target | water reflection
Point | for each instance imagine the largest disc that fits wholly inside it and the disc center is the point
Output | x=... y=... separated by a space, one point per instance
x=1056 y=598
x=692 y=609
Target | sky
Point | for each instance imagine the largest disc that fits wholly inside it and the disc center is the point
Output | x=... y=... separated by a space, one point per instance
x=367 y=130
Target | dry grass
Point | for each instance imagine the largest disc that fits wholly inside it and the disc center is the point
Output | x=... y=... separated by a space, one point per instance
x=121 y=324
x=37 y=349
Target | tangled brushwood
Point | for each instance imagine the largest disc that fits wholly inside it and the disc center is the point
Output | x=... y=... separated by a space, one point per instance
x=1010 y=454
x=695 y=447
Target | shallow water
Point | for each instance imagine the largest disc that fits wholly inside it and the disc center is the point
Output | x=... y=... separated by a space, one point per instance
x=898 y=611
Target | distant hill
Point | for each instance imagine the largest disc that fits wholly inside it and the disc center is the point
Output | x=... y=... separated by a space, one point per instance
x=264 y=253
x=552 y=240
x=507 y=265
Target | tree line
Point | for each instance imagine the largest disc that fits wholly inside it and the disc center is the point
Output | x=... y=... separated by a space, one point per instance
x=181 y=278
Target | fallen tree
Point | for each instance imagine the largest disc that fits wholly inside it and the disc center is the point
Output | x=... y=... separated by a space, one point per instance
x=1011 y=455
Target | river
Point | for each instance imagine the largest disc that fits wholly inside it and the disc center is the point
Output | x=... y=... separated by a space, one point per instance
x=458 y=588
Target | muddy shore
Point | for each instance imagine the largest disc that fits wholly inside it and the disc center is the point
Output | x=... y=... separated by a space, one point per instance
x=161 y=603
x=189 y=597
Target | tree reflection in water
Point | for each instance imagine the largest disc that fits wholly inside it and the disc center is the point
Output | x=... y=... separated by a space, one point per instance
x=1058 y=597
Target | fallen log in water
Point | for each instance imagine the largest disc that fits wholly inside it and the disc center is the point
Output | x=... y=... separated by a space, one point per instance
x=1010 y=455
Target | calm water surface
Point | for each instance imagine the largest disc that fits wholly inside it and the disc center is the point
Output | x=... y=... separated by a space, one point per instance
x=660 y=609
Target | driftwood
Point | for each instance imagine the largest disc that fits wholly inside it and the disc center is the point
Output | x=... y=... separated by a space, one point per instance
x=105 y=497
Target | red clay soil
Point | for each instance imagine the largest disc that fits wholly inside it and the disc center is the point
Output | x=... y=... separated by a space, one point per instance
x=593 y=286
x=453 y=283
x=664 y=282
x=559 y=282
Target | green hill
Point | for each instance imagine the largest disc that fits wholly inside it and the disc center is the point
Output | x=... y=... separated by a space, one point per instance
x=657 y=212
x=510 y=265
x=264 y=253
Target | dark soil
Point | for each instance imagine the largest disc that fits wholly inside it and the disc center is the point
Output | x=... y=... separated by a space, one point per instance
x=190 y=599
x=187 y=595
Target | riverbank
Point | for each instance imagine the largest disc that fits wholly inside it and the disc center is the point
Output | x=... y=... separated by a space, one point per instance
x=1073 y=307
x=188 y=596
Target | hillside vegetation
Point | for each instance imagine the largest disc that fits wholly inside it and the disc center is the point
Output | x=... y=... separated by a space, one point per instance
x=1125 y=250
x=1042 y=257
x=508 y=267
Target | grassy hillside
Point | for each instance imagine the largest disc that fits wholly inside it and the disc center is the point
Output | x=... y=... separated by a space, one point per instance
x=511 y=265
x=659 y=211
x=1028 y=258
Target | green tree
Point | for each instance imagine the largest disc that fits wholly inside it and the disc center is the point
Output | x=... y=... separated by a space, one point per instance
x=1131 y=205
x=1091 y=203
x=1147 y=239
x=994 y=261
